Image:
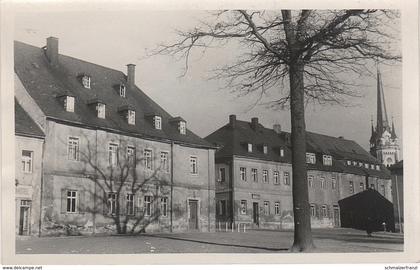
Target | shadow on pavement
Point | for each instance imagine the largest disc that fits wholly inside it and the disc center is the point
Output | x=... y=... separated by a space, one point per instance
x=217 y=244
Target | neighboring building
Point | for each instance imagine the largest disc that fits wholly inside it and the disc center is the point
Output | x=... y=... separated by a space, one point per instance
x=29 y=140
x=384 y=143
x=113 y=158
x=254 y=175
x=397 y=176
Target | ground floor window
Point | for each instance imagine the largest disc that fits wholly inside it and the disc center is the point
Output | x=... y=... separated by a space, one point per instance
x=130 y=204
x=313 y=210
x=277 y=208
x=71 y=201
x=112 y=203
x=222 y=207
x=243 y=207
x=266 y=208
x=324 y=211
x=147 y=205
x=164 y=206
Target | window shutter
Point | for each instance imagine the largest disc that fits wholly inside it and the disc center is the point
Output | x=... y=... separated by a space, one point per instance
x=63 y=201
x=81 y=201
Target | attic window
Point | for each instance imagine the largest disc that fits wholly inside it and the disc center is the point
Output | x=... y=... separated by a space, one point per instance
x=250 y=147
x=327 y=160
x=122 y=90
x=360 y=164
x=354 y=163
x=281 y=152
x=265 y=149
x=310 y=158
x=100 y=110
x=182 y=127
x=377 y=167
x=131 y=117
x=68 y=103
x=366 y=166
x=157 y=122
x=86 y=81
x=372 y=166
x=348 y=162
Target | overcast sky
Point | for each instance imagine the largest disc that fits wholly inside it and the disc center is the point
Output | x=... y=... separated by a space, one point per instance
x=114 y=39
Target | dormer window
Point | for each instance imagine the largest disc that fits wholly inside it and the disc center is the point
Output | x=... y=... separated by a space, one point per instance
x=86 y=81
x=372 y=167
x=360 y=164
x=69 y=103
x=327 y=160
x=281 y=152
x=310 y=158
x=377 y=167
x=131 y=117
x=182 y=127
x=348 y=162
x=265 y=149
x=122 y=90
x=157 y=122
x=354 y=163
x=250 y=147
x=366 y=166
x=100 y=110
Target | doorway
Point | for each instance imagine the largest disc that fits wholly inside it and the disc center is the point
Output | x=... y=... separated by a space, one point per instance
x=193 y=214
x=24 y=217
x=255 y=214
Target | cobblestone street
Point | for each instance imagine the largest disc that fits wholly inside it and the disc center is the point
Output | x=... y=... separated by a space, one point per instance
x=332 y=240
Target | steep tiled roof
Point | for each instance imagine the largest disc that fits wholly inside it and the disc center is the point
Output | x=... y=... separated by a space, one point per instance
x=24 y=125
x=44 y=84
x=233 y=141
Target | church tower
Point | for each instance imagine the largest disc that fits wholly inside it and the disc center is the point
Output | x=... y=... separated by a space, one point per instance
x=384 y=143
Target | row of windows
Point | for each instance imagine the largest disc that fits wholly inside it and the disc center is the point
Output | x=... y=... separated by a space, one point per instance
x=73 y=201
x=266 y=208
x=265 y=176
x=129 y=114
x=321 y=211
x=322 y=182
x=73 y=153
x=361 y=164
x=264 y=149
x=311 y=159
x=362 y=187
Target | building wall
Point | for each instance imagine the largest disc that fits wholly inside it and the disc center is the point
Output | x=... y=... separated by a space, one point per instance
x=28 y=185
x=62 y=174
x=398 y=198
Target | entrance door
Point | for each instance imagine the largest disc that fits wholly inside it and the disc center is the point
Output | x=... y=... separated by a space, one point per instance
x=24 y=218
x=255 y=213
x=193 y=218
x=336 y=216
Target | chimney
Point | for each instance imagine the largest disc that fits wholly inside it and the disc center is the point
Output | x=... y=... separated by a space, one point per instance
x=232 y=120
x=52 y=51
x=277 y=128
x=254 y=123
x=131 y=72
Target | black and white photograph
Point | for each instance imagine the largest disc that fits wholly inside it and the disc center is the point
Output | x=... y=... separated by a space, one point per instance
x=210 y=131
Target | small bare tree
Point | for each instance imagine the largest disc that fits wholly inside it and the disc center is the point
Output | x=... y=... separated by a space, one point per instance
x=310 y=55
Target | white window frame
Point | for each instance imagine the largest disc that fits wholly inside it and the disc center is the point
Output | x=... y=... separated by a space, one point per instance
x=333 y=183
x=351 y=187
x=164 y=206
x=277 y=208
x=122 y=90
x=312 y=210
x=327 y=160
x=182 y=126
x=286 y=178
x=222 y=176
x=148 y=158
x=348 y=162
x=254 y=175
x=265 y=149
x=193 y=165
x=129 y=204
x=281 y=152
x=157 y=122
x=73 y=148
x=71 y=201
x=266 y=208
x=164 y=161
x=243 y=209
x=265 y=176
x=276 y=178
x=249 y=147
x=69 y=103
x=242 y=173
x=378 y=168
x=113 y=156
x=27 y=161
x=324 y=211
x=100 y=110
x=86 y=81
x=112 y=203
x=310 y=181
x=131 y=117
x=310 y=158
x=148 y=205
x=323 y=183
x=131 y=155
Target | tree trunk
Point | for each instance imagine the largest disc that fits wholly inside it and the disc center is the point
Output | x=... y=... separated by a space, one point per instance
x=302 y=232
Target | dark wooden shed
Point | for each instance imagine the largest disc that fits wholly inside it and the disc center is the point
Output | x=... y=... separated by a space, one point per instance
x=367 y=209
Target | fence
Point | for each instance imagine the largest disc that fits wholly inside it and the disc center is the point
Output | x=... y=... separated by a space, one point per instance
x=231 y=226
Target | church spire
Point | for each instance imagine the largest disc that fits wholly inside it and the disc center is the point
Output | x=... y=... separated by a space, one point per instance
x=393 y=134
x=382 y=118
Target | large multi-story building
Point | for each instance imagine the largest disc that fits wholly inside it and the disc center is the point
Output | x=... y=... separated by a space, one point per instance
x=254 y=175
x=113 y=159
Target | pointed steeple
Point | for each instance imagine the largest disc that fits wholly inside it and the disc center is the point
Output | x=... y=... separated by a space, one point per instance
x=393 y=134
x=382 y=118
x=373 y=133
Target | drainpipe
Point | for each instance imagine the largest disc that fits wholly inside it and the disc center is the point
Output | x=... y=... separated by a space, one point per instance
x=172 y=184
x=208 y=190
x=41 y=190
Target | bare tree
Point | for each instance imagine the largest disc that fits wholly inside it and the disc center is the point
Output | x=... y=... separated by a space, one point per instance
x=307 y=54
